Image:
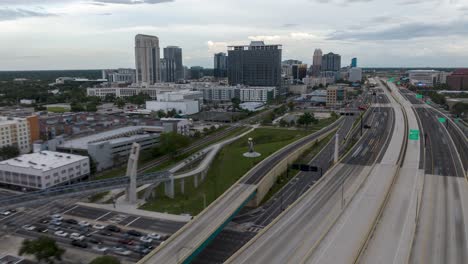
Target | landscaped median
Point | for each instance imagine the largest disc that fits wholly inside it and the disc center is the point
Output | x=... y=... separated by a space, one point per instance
x=228 y=167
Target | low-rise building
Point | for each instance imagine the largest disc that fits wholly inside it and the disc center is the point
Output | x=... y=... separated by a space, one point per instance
x=182 y=107
x=16 y=131
x=317 y=81
x=112 y=147
x=217 y=93
x=355 y=74
x=427 y=78
x=336 y=95
x=252 y=106
x=27 y=101
x=119 y=75
x=257 y=94
x=297 y=89
x=458 y=80
x=43 y=169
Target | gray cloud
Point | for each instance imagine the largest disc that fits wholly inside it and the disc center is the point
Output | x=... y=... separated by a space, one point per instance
x=406 y=31
x=18 y=13
x=131 y=2
x=288 y=25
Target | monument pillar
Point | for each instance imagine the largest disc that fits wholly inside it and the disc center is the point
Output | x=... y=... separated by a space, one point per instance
x=132 y=165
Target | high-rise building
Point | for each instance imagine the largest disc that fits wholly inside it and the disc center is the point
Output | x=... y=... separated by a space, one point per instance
x=331 y=62
x=175 y=53
x=355 y=74
x=220 y=65
x=256 y=64
x=147 y=59
x=299 y=71
x=196 y=72
x=353 y=62
x=317 y=62
x=16 y=132
x=168 y=70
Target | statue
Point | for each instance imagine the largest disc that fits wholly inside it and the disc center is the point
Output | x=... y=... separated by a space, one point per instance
x=251 y=153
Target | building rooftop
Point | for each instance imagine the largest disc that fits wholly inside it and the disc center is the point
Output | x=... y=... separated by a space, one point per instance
x=123 y=132
x=44 y=160
x=460 y=72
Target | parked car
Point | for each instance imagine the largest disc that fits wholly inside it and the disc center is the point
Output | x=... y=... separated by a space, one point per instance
x=105 y=233
x=76 y=236
x=55 y=222
x=101 y=249
x=134 y=233
x=78 y=243
x=146 y=239
x=154 y=236
x=113 y=228
x=121 y=251
x=57 y=217
x=71 y=221
x=126 y=241
x=83 y=224
x=29 y=227
x=93 y=240
x=98 y=226
x=41 y=230
x=53 y=227
x=61 y=233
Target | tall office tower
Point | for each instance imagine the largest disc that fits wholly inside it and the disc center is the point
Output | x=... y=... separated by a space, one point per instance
x=168 y=70
x=353 y=62
x=317 y=62
x=220 y=65
x=299 y=71
x=331 y=62
x=147 y=59
x=175 y=53
x=256 y=64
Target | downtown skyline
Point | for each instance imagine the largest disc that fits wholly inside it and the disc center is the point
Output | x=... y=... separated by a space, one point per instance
x=92 y=34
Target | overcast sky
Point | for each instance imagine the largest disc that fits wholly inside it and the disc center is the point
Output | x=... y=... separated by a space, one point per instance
x=94 y=34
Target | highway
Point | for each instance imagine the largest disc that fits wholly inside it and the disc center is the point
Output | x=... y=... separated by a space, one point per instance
x=441 y=234
x=289 y=238
x=187 y=242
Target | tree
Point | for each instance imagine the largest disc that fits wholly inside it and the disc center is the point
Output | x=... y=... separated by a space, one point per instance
x=44 y=249
x=306 y=119
x=170 y=143
x=235 y=103
x=197 y=134
x=161 y=114
x=109 y=98
x=76 y=107
x=119 y=102
x=459 y=108
x=283 y=123
x=9 y=152
x=334 y=115
x=291 y=106
x=105 y=260
x=91 y=107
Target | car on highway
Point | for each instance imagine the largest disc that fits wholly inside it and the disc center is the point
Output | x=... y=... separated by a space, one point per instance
x=71 y=221
x=29 y=227
x=57 y=217
x=121 y=251
x=99 y=248
x=78 y=243
x=113 y=228
x=146 y=239
x=154 y=236
x=77 y=236
x=61 y=233
x=98 y=226
x=134 y=233
x=83 y=224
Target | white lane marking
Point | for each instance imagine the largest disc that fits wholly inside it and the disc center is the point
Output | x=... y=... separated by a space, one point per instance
x=357 y=151
x=132 y=221
x=70 y=209
x=97 y=219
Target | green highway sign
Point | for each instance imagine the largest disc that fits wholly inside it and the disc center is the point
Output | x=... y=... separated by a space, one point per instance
x=398 y=83
x=457 y=120
x=419 y=96
x=414 y=134
x=391 y=79
x=442 y=119
x=428 y=102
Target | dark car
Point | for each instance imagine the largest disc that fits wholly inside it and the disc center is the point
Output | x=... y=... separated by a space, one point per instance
x=93 y=240
x=113 y=228
x=71 y=221
x=41 y=230
x=80 y=244
x=126 y=241
x=367 y=126
x=134 y=233
x=105 y=233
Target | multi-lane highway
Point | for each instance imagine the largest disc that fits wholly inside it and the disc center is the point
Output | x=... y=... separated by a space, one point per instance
x=290 y=237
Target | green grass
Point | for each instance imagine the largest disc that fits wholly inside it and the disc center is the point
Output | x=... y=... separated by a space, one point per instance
x=57 y=109
x=228 y=167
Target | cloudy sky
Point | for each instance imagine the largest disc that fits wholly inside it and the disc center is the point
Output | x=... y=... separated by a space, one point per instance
x=94 y=34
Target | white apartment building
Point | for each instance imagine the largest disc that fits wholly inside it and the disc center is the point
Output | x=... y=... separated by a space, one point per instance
x=43 y=169
x=217 y=92
x=183 y=107
x=355 y=75
x=257 y=94
x=427 y=77
x=15 y=132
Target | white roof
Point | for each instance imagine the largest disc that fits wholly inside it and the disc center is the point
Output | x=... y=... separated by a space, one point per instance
x=44 y=160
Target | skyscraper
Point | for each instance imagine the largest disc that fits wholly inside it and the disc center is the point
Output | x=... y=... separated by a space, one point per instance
x=256 y=64
x=353 y=62
x=147 y=59
x=317 y=62
x=220 y=65
x=331 y=62
x=167 y=70
x=175 y=53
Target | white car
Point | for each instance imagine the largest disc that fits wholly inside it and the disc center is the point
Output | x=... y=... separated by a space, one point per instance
x=154 y=236
x=101 y=249
x=61 y=233
x=76 y=236
x=55 y=222
x=29 y=227
x=5 y=213
x=122 y=251
x=146 y=239
x=98 y=226
x=83 y=224
x=57 y=217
